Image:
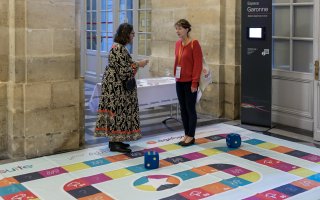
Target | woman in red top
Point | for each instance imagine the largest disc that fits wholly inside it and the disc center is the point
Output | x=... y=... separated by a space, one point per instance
x=187 y=70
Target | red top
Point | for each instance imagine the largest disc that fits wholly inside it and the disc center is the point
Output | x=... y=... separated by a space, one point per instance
x=189 y=58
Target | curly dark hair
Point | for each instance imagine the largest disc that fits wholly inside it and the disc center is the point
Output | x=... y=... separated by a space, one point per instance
x=122 y=35
x=184 y=24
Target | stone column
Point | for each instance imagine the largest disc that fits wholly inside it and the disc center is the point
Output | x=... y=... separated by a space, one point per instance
x=230 y=56
x=4 y=64
x=44 y=90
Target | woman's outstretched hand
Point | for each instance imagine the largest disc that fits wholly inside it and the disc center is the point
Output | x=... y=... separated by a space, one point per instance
x=143 y=63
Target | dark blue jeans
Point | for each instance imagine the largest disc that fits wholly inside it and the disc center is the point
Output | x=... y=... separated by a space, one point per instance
x=187 y=101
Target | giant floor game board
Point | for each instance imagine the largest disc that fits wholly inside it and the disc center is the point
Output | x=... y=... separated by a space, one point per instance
x=262 y=168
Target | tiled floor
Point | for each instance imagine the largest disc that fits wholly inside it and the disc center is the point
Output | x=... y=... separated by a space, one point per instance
x=151 y=124
x=151 y=121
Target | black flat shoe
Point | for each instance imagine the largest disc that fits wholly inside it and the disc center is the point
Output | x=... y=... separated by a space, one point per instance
x=182 y=141
x=120 y=149
x=116 y=146
x=124 y=144
x=188 y=143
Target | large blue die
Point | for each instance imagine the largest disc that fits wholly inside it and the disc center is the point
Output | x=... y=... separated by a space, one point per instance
x=151 y=159
x=233 y=140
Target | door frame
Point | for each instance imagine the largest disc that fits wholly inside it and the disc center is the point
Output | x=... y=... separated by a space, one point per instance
x=91 y=76
x=316 y=85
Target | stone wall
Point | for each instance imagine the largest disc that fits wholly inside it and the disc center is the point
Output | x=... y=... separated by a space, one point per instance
x=44 y=89
x=4 y=64
x=216 y=24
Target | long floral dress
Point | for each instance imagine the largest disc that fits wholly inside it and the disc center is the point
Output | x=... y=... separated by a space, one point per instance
x=118 y=114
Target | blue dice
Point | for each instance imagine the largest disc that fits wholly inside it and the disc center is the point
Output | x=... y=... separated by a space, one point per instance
x=151 y=159
x=233 y=140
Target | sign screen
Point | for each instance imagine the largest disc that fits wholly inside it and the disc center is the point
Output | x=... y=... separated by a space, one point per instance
x=256 y=33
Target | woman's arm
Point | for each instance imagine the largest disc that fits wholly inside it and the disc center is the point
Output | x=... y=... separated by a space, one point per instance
x=136 y=64
x=197 y=64
x=121 y=60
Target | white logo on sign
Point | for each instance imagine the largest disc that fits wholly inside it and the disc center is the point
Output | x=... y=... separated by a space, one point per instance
x=265 y=52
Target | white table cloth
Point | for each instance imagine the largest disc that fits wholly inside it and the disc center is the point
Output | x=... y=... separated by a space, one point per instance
x=152 y=92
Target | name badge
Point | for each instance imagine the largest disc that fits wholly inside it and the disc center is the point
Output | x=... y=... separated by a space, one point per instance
x=178 y=71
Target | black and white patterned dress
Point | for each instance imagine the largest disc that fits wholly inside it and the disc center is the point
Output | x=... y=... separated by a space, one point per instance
x=118 y=114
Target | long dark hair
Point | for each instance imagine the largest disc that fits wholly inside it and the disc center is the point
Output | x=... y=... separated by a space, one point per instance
x=122 y=35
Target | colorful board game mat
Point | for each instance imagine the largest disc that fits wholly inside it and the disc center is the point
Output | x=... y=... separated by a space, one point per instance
x=262 y=168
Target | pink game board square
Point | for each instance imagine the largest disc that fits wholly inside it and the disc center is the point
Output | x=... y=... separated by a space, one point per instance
x=194 y=156
x=273 y=195
x=312 y=158
x=285 y=166
x=52 y=172
x=236 y=171
x=99 y=178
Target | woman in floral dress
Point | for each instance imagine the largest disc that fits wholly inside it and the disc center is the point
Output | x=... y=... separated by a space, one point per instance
x=118 y=114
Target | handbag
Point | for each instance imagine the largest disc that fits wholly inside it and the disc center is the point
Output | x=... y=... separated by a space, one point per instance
x=205 y=77
x=129 y=84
